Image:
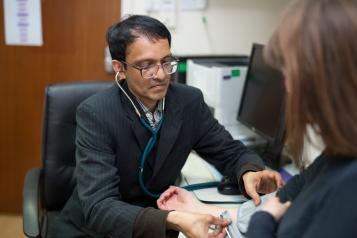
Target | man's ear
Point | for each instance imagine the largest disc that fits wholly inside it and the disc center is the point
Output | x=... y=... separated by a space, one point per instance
x=119 y=67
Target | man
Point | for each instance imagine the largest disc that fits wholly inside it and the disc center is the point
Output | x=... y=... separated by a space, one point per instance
x=133 y=139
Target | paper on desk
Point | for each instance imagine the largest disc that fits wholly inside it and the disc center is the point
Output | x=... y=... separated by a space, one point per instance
x=196 y=170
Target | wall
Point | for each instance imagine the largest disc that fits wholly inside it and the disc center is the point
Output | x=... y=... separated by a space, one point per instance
x=74 y=41
x=231 y=25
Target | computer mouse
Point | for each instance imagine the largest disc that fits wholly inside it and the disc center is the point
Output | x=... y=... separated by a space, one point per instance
x=228 y=187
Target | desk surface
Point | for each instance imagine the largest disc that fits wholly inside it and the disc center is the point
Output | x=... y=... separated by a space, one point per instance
x=196 y=170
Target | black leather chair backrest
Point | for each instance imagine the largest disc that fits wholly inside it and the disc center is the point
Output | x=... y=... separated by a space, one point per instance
x=59 y=131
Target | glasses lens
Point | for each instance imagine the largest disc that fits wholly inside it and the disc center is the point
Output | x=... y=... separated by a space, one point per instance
x=170 y=67
x=150 y=71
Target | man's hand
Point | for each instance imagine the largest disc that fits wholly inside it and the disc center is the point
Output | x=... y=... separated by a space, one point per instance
x=195 y=225
x=276 y=208
x=175 y=198
x=265 y=181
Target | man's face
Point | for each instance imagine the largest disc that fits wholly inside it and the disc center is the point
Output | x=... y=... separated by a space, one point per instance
x=142 y=53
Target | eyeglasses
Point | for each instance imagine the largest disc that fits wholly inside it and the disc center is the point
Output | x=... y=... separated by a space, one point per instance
x=150 y=71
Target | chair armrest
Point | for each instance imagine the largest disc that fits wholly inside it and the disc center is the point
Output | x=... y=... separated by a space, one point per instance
x=32 y=203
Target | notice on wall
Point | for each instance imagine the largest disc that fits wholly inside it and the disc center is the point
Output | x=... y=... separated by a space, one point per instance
x=193 y=4
x=164 y=10
x=23 y=22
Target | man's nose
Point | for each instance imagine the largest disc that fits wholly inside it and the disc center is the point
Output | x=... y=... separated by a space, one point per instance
x=160 y=74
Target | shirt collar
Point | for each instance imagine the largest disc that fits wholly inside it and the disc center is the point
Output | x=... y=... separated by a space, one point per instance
x=159 y=107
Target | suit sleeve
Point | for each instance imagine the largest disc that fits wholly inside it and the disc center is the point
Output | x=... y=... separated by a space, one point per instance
x=98 y=179
x=151 y=223
x=216 y=145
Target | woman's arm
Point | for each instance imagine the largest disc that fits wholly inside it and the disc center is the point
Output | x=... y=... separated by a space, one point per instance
x=179 y=199
x=264 y=223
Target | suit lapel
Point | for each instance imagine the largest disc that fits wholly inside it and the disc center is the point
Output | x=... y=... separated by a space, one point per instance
x=141 y=134
x=168 y=134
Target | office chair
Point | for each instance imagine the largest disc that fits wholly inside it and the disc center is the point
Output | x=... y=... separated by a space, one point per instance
x=47 y=189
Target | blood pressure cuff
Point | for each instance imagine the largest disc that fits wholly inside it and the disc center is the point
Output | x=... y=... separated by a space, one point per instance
x=245 y=212
x=231 y=230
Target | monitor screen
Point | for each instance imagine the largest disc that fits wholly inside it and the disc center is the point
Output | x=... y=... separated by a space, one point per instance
x=263 y=96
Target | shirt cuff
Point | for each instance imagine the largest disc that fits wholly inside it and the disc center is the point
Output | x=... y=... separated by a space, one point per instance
x=151 y=223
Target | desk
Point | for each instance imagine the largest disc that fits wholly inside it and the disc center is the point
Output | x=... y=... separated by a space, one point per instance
x=196 y=170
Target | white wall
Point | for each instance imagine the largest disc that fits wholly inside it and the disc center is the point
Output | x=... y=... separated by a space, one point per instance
x=231 y=25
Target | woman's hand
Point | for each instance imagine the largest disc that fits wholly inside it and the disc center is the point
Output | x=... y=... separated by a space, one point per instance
x=276 y=208
x=195 y=225
x=179 y=199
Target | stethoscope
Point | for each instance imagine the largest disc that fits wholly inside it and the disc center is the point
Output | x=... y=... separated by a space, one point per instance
x=150 y=145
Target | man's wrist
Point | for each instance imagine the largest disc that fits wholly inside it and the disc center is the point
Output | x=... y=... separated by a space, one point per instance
x=172 y=221
x=242 y=173
x=246 y=174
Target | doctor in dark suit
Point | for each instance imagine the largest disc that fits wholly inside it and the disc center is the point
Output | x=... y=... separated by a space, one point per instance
x=133 y=139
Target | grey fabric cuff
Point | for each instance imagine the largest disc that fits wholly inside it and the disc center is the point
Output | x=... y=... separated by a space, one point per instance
x=232 y=229
x=246 y=211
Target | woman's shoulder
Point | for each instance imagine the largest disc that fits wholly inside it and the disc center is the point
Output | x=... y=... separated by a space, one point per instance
x=349 y=170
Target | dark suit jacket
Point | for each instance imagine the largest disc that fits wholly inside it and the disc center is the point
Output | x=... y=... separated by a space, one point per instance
x=110 y=141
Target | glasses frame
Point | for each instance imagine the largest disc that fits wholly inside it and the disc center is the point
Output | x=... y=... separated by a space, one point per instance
x=156 y=65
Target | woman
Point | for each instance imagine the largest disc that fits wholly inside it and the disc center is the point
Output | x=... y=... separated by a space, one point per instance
x=315 y=46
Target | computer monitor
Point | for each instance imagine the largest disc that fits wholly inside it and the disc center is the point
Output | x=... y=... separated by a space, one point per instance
x=263 y=99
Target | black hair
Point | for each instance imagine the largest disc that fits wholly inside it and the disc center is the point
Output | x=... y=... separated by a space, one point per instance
x=123 y=33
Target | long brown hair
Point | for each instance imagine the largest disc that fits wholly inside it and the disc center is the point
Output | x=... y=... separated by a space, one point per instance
x=316 y=47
